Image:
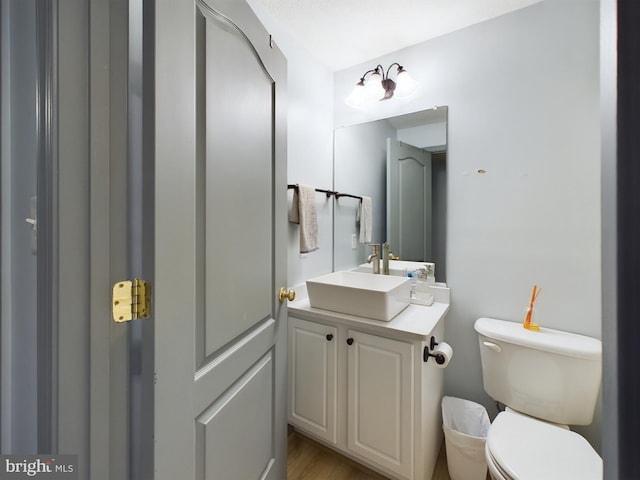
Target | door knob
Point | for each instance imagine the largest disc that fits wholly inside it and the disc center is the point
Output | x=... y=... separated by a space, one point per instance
x=329 y=336
x=349 y=341
x=286 y=294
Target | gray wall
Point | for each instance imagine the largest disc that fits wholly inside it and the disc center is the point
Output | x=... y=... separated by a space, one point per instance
x=523 y=98
x=309 y=146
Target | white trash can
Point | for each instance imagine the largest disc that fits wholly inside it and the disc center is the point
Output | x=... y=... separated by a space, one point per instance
x=465 y=426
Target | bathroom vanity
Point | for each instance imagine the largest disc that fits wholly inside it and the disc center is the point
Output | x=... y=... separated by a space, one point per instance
x=362 y=386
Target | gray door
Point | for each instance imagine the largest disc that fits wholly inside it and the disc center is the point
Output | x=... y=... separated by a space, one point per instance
x=409 y=202
x=64 y=362
x=219 y=260
x=19 y=253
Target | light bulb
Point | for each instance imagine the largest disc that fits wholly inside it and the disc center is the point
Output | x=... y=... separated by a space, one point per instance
x=373 y=86
x=358 y=97
x=405 y=85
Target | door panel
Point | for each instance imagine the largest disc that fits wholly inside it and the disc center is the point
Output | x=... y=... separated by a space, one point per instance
x=236 y=424
x=231 y=365
x=238 y=190
x=409 y=201
x=220 y=216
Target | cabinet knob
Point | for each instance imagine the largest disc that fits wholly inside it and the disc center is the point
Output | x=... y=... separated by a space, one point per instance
x=349 y=341
x=329 y=336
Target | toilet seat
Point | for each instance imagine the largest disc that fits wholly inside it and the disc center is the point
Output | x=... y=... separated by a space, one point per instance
x=495 y=472
x=525 y=448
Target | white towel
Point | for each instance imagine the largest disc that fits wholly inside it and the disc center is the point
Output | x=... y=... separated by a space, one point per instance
x=365 y=217
x=303 y=211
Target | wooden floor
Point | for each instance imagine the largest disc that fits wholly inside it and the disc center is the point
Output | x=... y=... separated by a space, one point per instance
x=309 y=460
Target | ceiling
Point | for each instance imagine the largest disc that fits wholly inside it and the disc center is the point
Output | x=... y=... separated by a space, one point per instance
x=344 y=33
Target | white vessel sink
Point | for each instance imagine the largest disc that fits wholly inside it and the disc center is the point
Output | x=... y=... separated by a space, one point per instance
x=380 y=297
x=396 y=267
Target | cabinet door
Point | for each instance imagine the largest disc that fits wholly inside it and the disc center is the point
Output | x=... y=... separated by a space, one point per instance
x=312 y=377
x=380 y=401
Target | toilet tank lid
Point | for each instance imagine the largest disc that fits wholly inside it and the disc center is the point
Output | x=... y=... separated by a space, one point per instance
x=547 y=339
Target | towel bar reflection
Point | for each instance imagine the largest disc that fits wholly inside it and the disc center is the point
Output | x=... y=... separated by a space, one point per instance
x=329 y=193
x=338 y=195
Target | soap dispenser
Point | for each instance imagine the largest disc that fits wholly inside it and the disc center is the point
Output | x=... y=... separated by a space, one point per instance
x=430 y=269
x=425 y=278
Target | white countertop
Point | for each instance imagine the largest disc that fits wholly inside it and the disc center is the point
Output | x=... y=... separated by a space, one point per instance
x=414 y=321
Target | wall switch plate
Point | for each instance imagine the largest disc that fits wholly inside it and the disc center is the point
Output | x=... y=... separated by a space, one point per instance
x=354 y=241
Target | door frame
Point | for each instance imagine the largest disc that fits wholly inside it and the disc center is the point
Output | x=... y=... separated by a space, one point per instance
x=91 y=352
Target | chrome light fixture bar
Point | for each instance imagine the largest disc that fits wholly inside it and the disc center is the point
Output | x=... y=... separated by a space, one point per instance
x=380 y=87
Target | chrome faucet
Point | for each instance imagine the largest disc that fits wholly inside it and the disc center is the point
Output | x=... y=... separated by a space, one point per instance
x=385 y=258
x=375 y=257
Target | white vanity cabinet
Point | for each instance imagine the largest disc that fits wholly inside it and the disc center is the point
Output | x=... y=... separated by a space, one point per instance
x=379 y=400
x=362 y=387
x=313 y=377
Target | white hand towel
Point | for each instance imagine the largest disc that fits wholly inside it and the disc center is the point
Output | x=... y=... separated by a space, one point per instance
x=303 y=211
x=365 y=217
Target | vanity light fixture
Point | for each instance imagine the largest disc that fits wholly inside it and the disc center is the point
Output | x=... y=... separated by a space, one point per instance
x=380 y=87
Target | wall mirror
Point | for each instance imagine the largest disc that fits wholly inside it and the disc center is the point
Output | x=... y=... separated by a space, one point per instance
x=400 y=162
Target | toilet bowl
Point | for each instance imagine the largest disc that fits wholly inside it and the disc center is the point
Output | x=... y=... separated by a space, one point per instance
x=524 y=448
x=548 y=380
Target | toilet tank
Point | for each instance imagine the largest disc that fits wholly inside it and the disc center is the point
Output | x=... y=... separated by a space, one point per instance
x=550 y=374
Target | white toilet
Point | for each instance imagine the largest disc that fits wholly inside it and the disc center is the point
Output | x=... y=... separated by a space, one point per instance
x=547 y=380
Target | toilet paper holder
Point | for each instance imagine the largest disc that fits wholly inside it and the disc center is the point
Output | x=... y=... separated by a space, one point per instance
x=440 y=359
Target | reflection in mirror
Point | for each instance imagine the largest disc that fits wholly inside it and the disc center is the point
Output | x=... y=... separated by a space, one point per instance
x=400 y=162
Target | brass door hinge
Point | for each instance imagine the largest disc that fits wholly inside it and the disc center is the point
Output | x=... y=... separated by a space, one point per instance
x=131 y=300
